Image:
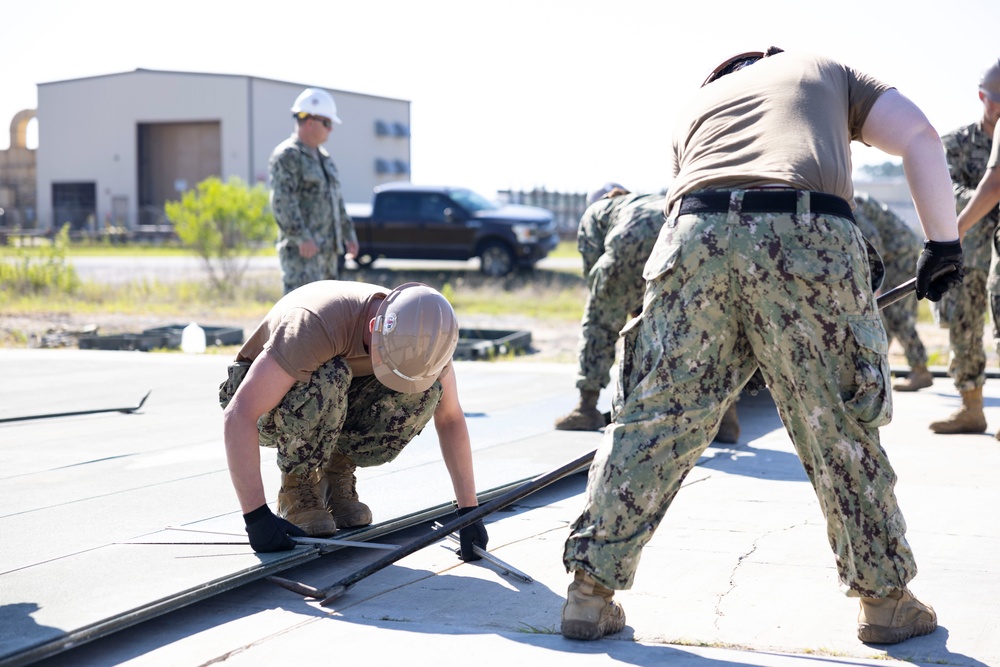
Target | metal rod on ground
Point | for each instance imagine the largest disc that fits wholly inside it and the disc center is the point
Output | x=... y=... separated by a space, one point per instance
x=487 y=556
x=338 y=588
x=80 y=412
x=299 y=540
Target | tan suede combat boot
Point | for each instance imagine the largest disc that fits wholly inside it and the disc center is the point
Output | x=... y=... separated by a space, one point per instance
x=894 y=618
x=298 y=502
x=968 y=419
x=729 y=428
x=918 y=378
x=338 y=487
x=584 y=417
x=589 y=612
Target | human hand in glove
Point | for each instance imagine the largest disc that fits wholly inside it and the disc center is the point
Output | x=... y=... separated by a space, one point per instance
x=471 y=535
x=939 y=268
x=270 y=533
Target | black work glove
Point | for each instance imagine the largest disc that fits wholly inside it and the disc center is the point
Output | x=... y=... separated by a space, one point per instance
x=939 y=268
x=270 y=533
x=471 y=535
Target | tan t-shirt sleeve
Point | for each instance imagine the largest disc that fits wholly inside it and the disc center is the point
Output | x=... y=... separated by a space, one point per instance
x=300 y=343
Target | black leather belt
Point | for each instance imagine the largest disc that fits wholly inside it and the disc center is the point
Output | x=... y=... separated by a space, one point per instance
x=765 y=201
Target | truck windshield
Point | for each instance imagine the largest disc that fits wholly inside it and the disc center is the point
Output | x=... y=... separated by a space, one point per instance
x=472 y=201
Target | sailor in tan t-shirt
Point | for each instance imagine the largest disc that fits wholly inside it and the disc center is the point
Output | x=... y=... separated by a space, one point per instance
x=337 y=375
x=760 y=265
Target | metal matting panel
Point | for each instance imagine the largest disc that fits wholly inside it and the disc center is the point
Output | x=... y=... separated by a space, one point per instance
x=109 y=485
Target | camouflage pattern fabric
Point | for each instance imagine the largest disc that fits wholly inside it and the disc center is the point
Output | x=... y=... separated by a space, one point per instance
x=726 y=292
x=360 y=417
x=615 y=238
x=308 y=204
x=963 y=308
x=899 y=247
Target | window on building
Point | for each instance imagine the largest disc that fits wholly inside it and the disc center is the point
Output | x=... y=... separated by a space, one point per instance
x=74 y=204
x=382 y=166
x=400 y=167
x=400 y=130
x=382 y=128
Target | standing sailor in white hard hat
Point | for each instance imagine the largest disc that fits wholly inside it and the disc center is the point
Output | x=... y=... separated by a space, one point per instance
x=340 y=375
x=314 y=230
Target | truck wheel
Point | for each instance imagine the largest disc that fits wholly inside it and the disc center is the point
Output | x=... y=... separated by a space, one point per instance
x=496 y=259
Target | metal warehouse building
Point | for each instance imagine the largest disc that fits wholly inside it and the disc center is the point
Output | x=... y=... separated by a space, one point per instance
x=113 y=148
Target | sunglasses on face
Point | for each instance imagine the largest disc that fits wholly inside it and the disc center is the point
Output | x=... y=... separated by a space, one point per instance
x=325 y=122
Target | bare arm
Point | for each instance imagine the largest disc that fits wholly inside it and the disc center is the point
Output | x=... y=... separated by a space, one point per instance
x=898 y=127
x=987 y=193
x=456 y=447
x=263 y=388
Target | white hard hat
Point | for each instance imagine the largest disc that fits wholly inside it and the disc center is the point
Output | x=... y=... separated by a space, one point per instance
x=315 y=102
x=600 y=192
x=414 y=338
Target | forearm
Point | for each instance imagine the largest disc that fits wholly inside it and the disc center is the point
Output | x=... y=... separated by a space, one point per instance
x=456 y=450
x=983 y=200
x=243 y=457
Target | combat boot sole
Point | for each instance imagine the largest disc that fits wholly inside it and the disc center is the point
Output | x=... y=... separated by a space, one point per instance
x=895 y=618
x=611 y=622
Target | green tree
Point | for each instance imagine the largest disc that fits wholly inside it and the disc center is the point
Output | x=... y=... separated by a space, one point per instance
x=224 y=223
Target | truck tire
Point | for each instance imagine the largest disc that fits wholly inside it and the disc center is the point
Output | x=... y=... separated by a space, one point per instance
x=496 y=259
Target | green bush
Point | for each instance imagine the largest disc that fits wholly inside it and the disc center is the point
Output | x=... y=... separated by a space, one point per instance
x=224 y=223
x=45 y=272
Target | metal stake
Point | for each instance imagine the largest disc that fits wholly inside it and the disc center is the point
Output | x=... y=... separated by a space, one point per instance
x=487 y=556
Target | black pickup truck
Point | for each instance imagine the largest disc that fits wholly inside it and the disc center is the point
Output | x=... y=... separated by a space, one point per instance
x=406 y=221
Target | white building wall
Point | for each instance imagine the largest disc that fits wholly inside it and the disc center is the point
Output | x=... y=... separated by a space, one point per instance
x=88 y=130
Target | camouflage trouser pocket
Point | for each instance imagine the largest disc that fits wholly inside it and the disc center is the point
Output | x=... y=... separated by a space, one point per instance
x=227 y=389
x=870 y=403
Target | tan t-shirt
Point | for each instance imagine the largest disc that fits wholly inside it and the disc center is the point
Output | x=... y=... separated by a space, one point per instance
x=785 y=120
x=315 y=323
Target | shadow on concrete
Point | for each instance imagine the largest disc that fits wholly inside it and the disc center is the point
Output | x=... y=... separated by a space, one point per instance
x=930 y=649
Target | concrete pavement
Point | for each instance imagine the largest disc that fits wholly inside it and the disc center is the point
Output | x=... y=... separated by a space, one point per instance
x=739 y=573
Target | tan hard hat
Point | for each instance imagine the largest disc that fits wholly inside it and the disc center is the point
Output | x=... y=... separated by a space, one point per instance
x=413 y=339
x=989 y=82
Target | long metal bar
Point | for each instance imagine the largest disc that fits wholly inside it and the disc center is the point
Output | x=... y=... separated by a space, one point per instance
x=80 y=412
x=330 y=593
x=324 y=541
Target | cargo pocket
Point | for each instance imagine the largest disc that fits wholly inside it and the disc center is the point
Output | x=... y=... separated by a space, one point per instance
x=627 y=379
x=227 y=389
x=868 y=401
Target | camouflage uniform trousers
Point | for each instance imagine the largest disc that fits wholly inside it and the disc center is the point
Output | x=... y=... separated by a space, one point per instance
x=900 y=319
x=726 y=292
x=297 y=271
x=616 y=286
x=360 y=417
x=966 y=317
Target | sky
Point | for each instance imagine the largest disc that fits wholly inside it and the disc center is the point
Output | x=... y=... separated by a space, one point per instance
x=560 y=94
